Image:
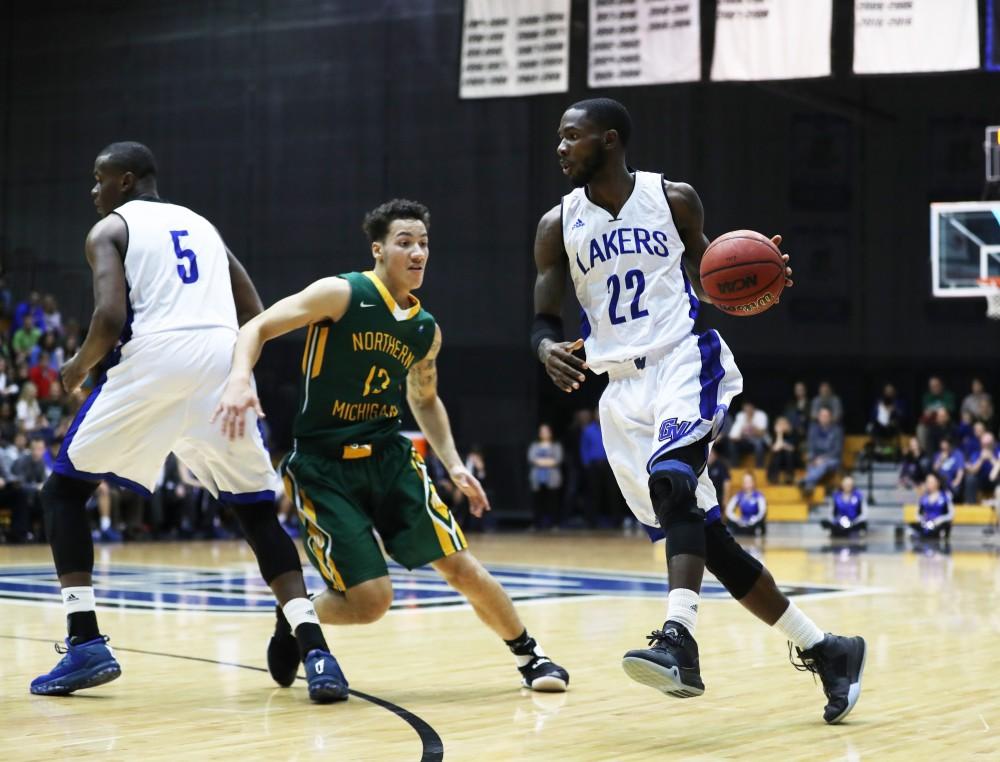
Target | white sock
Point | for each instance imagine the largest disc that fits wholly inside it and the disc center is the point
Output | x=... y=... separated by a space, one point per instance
x=105 y=523
x=77 y=599
x=682 y=607
x=798 y=628
x=300 y=611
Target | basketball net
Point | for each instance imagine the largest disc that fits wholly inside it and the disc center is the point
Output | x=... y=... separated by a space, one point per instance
x=991 y=290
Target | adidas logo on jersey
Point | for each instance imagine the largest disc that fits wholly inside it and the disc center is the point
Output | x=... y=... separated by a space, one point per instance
x=71 y=597
x=578 y=223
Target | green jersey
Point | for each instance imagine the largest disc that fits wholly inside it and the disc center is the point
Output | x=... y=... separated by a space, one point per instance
x=353 y=369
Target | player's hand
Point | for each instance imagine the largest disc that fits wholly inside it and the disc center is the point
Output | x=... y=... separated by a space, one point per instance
x=469 y=486
x=238 y=397
x=73 y=374
x=776 y=240
x=564 y=368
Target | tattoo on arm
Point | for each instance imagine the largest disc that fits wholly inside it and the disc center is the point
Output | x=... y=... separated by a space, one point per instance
x=421 y=382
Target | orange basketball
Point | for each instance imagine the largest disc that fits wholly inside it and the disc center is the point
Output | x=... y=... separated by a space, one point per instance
x=743 y=273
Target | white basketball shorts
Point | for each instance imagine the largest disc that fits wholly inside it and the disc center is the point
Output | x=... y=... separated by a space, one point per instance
x=662 y=402
x=158 y=398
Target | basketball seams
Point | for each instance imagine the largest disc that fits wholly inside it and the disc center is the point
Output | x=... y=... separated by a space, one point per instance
x=742 y=265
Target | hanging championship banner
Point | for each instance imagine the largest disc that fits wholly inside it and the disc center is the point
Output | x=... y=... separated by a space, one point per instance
x=772 y=39
x=914 y=36
x=514 y=47
x=644 y=42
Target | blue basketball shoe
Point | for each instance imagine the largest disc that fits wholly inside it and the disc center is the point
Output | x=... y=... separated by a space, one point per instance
x=83 y=665
x=326 y=680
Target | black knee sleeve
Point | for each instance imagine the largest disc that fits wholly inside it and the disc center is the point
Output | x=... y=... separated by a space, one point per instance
x=274 y=549
x=64 y=501
x=672 y=485
x=736 y=569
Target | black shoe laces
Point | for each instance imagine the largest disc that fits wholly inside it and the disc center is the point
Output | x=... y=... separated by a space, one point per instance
x=671 y=637
x=813 y=662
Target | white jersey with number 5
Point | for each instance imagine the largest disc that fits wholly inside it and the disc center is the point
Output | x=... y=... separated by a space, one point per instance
x=627 y=273
x=177 y=270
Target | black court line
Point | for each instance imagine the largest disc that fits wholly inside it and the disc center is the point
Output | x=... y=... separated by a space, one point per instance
x=432 y=746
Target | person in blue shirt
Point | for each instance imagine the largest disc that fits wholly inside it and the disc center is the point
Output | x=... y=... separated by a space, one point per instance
x=850 y=511
x=605 y=504
x=979 y=468
x=746 y=512
x=935 y=512
x=949 y=465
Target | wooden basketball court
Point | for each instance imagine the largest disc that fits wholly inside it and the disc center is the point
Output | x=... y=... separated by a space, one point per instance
x=191 y=623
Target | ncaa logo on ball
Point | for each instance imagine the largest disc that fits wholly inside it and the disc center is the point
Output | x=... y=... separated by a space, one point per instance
x=760 y=303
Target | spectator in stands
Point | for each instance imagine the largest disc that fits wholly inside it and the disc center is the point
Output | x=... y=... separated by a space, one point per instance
x=978 y=403
x=43 y=376
x=12 y=496
x=970 y=437
x=29 y=307
x=936 y=398
x=749 y=434
x=826 y=398
x=51 y=316
x=25 y=337
x=746 y=512
x=940 y=427
x=718 y=474
x=784 y=453
x=824 y=449
x=173 y=504
x=850 y=511
x=8 y=422
x=28 y=409
x=797 y=410
x=31 y=472
x=6 y=298
x=888 y=415
x=949 y=465
x=935 y=511
x=545 y=456
x=48 y=343
x=575 y=501
x=979 y=468
x=605 y=506
x=8 y=388
x=915 y=466
x=475 y=462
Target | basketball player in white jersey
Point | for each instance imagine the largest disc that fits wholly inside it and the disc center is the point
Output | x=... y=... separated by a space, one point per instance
x=169 y=299
x=632 y=243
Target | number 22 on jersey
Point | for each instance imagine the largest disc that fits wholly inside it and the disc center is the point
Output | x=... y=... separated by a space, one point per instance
x=634 y=281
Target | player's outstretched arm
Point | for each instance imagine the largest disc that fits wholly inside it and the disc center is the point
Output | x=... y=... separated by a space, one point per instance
x=564 y=368
x=432 y=418
x=105 y=247
x=326 y=299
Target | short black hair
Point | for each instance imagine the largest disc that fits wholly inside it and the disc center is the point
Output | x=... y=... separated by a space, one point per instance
x=377 y=221
x=608 y=114
x=129 y=156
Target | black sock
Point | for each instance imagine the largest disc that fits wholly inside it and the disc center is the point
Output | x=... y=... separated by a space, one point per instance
x=310 y=637
x=522 y=645
x=82 y=626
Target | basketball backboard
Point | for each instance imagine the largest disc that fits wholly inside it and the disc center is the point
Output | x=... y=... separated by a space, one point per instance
x=965 y=247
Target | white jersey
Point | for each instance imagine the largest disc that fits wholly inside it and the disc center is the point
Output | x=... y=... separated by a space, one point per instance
x=627 y=272
x=177 y=270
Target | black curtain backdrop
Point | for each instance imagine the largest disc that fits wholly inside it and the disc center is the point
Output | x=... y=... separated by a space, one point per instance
x=282 y=122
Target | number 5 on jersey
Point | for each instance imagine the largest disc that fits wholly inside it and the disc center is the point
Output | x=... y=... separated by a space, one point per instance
x=188 y=274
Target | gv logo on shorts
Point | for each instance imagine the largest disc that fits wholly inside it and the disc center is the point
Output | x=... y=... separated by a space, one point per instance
x=672 y=429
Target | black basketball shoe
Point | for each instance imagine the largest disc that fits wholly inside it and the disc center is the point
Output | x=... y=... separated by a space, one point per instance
x=283 y=657
x=670 y=664
x=839 y=662
x=543 y=674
